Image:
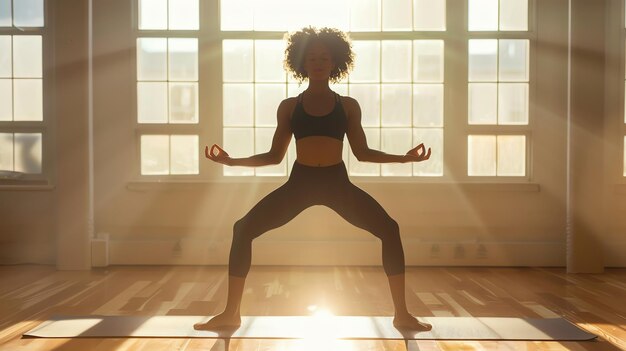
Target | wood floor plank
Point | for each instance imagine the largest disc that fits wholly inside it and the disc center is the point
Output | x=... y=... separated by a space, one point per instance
x=30 y=294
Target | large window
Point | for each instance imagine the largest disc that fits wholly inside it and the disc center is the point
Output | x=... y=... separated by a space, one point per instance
x=398 y=82
x=498 y=88
x=167 y=87
x=22 y=118
x=403 y=50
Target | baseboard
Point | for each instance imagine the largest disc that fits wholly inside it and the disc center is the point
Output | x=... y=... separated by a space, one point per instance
x=326 y=253
x=25 y=253
x=614 y=254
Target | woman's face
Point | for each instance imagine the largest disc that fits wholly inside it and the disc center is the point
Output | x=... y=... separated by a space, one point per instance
x=318 y=61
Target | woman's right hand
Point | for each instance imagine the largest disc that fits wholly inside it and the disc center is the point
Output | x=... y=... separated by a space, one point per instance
x=217 y=154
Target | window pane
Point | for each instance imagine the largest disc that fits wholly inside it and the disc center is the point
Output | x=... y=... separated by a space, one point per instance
x=483 y=60
x=340 y=88
x=365 y=15
x=184 y=14
x=237 y=60
x=183 y=59
x=321 y=13
x=268 y=61
x=151 y=59
x=5 y=14
x=514 y=60
x=397 y=15
x=368 y=96
x=483 y=15
x=27 y=56
x=6 y=151
x=514 y=15
x=238 y=142
x=396 y=141
x=511 y=155
x=6 y=57
x=238 y=105
x=428 y=105
x=396 y=105
x=263 y=143
x=513 y=103
x=236 y=14
x=358 y=168
x=428 y=61
x=295 y=89
x=6 y=99
x=152 y=14
x=397 y=61
x=429 y=15
x=183 y=102
x=367 y=61
x=28 y=100
x=481 y=155
x=433 y=139
x=152 y=102
x=483 y=103
x=267 y=97
x=184 y=154
x=28 y=152
x=28 y=13
x=272 y=14
x=155 y=154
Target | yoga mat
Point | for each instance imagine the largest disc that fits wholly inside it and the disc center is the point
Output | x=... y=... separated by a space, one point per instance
x=303 y=327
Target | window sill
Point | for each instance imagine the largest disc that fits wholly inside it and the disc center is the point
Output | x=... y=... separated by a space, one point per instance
x=26 y=185
x=180 y=185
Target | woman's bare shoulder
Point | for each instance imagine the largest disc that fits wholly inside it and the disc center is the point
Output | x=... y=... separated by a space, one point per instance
x=350 y=104
x=287 y=106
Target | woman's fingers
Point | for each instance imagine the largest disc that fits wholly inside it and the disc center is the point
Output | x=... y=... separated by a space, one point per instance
x=419 y=150
x=419 y=153
x=427 y=156
x=215 y=152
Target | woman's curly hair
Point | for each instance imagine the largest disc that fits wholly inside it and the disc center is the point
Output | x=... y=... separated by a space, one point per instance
x=337 y=42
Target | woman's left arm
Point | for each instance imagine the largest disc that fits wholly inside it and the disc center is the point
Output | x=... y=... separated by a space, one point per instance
x=358 y=141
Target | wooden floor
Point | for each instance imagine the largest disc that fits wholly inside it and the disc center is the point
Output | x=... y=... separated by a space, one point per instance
x=31 y=294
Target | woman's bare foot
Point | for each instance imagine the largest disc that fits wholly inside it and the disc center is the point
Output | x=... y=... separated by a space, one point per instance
x=406 y=321
x=221 y=321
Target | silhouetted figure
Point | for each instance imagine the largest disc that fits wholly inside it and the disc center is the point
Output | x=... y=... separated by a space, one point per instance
x=318 y=118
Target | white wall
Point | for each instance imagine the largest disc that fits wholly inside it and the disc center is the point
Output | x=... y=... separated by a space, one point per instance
x=518 y=224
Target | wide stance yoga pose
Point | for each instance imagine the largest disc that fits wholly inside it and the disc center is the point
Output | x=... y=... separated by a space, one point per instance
x=318 y=118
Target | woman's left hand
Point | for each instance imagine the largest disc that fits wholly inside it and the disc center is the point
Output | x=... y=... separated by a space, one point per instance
x=417 y=154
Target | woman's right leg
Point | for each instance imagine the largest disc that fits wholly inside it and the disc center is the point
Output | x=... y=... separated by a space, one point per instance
x=273 y=211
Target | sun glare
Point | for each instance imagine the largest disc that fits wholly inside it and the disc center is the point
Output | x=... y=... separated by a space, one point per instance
x=321 y=332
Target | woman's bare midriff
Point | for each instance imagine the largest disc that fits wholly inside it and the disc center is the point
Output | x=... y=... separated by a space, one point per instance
x=319 y=151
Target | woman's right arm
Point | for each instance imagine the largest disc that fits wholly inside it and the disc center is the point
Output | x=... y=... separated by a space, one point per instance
x=280 y=142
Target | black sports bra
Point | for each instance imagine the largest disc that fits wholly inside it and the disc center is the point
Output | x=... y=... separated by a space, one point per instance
x=333 y=125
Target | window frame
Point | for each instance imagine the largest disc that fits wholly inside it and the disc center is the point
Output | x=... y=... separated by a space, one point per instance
x=168 y=128
x=455 y=126
x=47 y=126
x=498 y=129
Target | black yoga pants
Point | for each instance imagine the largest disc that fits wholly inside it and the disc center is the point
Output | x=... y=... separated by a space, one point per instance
x=308 y=186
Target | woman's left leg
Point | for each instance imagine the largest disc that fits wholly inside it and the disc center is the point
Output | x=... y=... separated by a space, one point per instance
x=362 y=210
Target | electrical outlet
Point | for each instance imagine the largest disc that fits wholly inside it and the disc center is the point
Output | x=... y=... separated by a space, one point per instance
x=481 y=251
x=459 y=251
x=177 y=250
x=435 y=251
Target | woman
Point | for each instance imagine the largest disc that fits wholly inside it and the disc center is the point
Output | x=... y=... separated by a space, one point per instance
x=318 y=118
